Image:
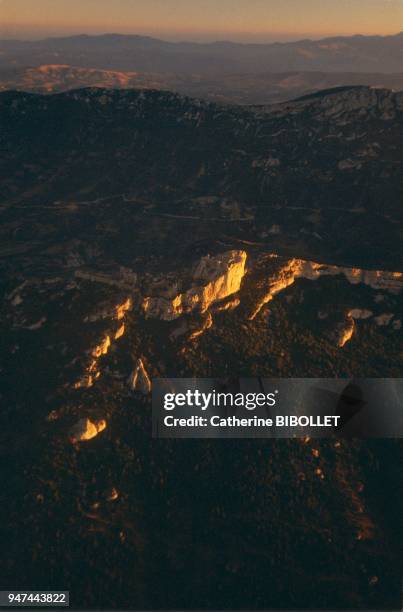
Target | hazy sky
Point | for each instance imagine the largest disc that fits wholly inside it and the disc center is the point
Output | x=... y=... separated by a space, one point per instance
x=202 y=19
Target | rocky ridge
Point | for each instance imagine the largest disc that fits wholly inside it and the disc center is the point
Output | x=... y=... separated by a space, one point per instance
x=286 y=274
x=216 y=285
x=213 y=280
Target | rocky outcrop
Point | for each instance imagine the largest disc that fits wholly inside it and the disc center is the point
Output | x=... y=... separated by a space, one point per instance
x=123 y=308
x=214 y=278
x=345 y=332
x=86 y=429
x=139 y=380
x=102 y=348
x=120 y=332
x=288 y=271
x=92 y=371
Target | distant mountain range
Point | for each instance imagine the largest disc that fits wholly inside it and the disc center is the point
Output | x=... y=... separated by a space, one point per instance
x=144 y=54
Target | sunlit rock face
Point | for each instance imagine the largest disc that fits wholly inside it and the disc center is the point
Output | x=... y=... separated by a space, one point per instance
x=92 y=371
x=102 y=348
x=122 y=309
x=86 y=429
x=214 y=279
x=286 y=274
x=222 y=274
x=120 y=332
x=345 y=332
x=139 y=380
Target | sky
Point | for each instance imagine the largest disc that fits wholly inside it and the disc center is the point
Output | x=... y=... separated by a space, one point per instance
x=241 y=20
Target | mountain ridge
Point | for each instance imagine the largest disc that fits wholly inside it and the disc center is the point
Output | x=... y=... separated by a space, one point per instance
x=305 y=176
x=117 y=35
x=134 y=52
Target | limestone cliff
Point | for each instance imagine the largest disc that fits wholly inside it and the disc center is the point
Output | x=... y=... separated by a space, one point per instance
x=214 y=278
x=289 y=270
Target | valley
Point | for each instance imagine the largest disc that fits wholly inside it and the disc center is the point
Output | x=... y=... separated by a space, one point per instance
x=225 y=88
